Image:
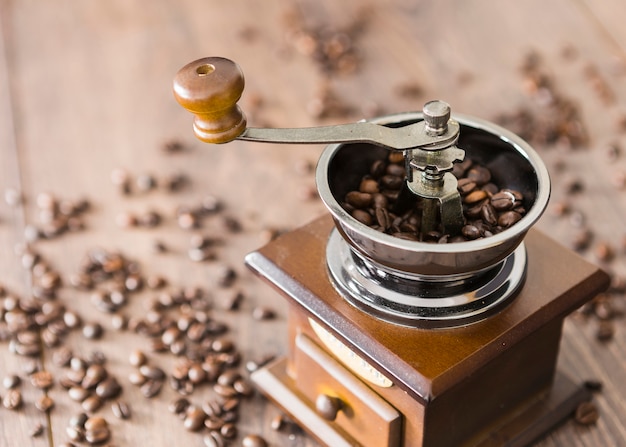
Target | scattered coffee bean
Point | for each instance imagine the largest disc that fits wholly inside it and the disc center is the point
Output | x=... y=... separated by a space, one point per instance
x=11 y=381
x=194 y=418
x=44 y=403
x=92 y=331
x=42 y=379
x=253 y=441
x=12 y=399
x=151 y=388
x=263 y=313
x=586 y=413
x=37 y=430
x=121 y=410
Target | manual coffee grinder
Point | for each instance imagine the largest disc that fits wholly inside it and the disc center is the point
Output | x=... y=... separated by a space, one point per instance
x=396 y=342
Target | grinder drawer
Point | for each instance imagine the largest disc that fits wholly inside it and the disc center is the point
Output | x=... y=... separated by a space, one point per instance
x=343 y=399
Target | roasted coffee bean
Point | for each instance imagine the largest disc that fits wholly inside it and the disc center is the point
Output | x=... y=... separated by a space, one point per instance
x=475 y=196
x=98 y=435
x=243 y=387
x=465 y=186
x=121 y=410
x=75 y=434
x=262 y=313
x=253 y=441
x=37 y=430
x=586 y=414
x=229 y=431
x=44 y=403
x=471 y=232
x=503 y=200
x=479 y=175
x=152 y=372
x=108 y=388
x=78 y=420
x=392 y=182
x=12 y=399
x=78 y=393
x=62 y=356
x=509 y=218
x=488 y=214
x=137 y=358
x=151 y=388
x=382 y=218
x=92 y=404
x=369 y=186
x=179 y=405
x=359 y=199
x=93 y=376
x=605 y=331
x=212 y=439
x=92 y=331
x=42 y=379
x=11 y=381
x=278 y=422
x=194 y=418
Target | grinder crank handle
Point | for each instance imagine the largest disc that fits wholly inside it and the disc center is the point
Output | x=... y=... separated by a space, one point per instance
x=210 y=88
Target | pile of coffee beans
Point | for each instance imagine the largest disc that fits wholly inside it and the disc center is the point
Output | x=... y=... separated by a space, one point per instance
x=487 y=208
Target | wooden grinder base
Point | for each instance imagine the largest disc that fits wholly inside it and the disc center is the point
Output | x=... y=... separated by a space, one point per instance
x=489 y=383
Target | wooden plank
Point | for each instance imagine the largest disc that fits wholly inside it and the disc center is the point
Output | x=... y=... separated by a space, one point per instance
x=90 y=92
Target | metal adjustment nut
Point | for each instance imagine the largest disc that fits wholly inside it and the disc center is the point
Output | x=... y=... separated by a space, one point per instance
x=436 y=116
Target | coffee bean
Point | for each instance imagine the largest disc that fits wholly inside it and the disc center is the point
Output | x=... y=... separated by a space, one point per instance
x=262 y=313
x=137 y=358
x=253 y=441
x=479 y=175
x=12 y=399
x=108 y=388
x=359 y=199
x=179 y=405
x=152 y=372
x=151 y=388
x=75 y=434
x=509 y=218
x=194 y=418
x=243 y=387
x=37 y=430
x=98 y=435
x=42 y=379
x=62 y=356
x=278 y=422
x=212 y=439
x=44 y=403
x=11 y=381
x=605 y=331
x=586 y=414
x=503 y=200
x=92 y=331
x=93 y=376
x=78 y=393
x=121 y=410
x=92 y=404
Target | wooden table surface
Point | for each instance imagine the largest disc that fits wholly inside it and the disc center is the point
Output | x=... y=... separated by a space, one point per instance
x=85 y=90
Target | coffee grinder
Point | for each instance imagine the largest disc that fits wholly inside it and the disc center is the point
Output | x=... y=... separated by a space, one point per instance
x=396 y=342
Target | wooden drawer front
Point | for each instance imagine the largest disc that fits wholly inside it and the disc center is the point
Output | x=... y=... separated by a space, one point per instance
x=365 y=416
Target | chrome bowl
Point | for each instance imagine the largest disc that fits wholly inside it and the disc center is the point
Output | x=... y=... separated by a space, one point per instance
x=513 y=163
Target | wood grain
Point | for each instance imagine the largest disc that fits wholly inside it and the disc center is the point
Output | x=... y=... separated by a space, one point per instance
x=85 y=87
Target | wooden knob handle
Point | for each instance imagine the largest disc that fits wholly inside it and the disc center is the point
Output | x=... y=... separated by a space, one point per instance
x=210 y=88
x=328 y=406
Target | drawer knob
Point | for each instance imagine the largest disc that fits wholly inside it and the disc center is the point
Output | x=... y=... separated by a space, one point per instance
x=328 y=406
